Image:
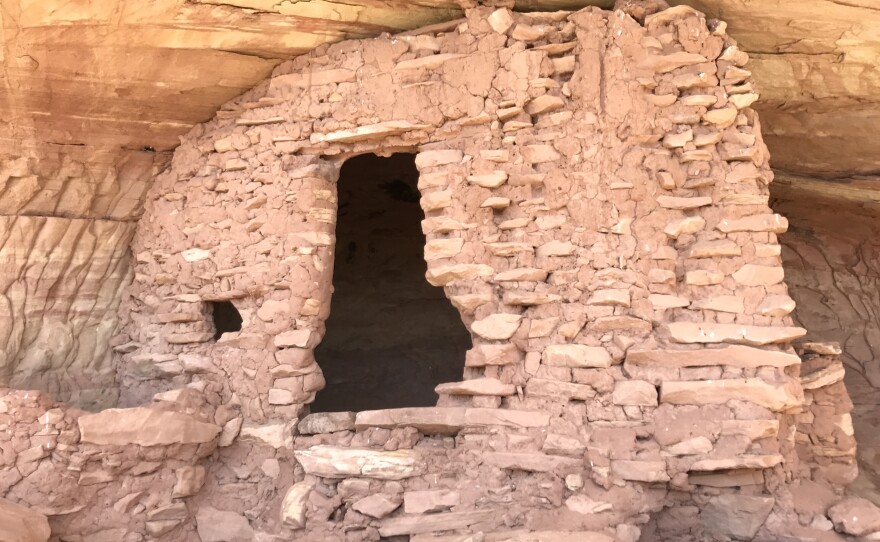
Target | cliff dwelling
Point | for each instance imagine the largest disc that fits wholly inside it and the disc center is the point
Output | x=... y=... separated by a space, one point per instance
x=474 y=272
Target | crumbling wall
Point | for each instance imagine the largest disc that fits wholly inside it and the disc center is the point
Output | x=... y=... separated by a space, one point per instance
x=595 y=198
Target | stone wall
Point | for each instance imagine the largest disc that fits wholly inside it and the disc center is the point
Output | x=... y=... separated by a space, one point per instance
x=595 y=198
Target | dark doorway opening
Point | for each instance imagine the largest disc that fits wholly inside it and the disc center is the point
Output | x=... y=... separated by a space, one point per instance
x=391 y=337
x=226 y=318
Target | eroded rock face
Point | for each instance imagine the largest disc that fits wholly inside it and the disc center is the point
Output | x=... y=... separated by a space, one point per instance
x=20 y=524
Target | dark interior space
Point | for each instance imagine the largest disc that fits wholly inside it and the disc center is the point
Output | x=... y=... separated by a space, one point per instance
x=226 y=318
x=391 y=337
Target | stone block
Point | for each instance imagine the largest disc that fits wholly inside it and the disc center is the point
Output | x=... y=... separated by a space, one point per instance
x=562 y=391
x=709 y=332
x=221 y=526
x=335 y=462
x=293 y=507
x=326 y=422
x=576 y=355
x=440 y=420
x=777 y=397
x=640 y=471
x=497 y=326
x=634 y=393
x=735 y=517
x=429 y=501
x=377 y=505
x=476 y=386
x=144 y=427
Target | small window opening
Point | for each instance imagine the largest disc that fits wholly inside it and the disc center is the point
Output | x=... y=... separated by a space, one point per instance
x=226 y=318
x=391 y=337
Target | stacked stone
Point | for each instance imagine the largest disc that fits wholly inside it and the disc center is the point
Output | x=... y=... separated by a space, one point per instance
x=825 y=436
x=595 y=198
x=121 y=474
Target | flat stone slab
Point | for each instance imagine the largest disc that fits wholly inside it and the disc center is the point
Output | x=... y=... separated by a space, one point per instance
x=776 y=397
x=429 y=523
x=709 y=332
x=144 y=427
x=737 y=462
x=337 y=462
x=734 y=356
x=448 y=421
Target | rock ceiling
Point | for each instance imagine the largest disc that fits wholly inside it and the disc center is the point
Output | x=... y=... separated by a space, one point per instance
x=96 y=86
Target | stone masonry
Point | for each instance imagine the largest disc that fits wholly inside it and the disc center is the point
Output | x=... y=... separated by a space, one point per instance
x=595 y=198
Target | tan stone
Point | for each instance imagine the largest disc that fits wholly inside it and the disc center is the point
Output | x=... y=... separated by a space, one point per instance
x=640 y=471
x=776 y=397
x=492 y=354
x=690 y=224
x=676 y=141
x=733 y=355
x=692 y=446
x=539 y=154
x=189 y=481
x=522 y=274
x=732 y=478
x=759 y=275
x=436 y=201
x=497 y=326
x=335 y=462
x=611 y=296
x=826 y=376
x=438 y=249
x=665 y=301
x=776 y=306
x=489 y=180
x=576 y=355
x=293 y=507
x=634 y=393
x=723 y=303
x=682 y=203
x=773 y=223
x=215 y=525
x=737 y=462
x=421 y=502
x=670 y=62
x=544 y=104
x=708 y=332
x=714 y=249
x=524 y=299
x=496 y=202
x=553 y=389
x=556 y=248
x=753 y=429
x=721 y=117
x=368 y=132
x=500 y=20
x=476 y=386
x=144 y=427
x=532 y=462
x=438 y=420
x=703 y=278
x=326 y=422
x=442 y=275
x=428 y=523
x=376 y=506
x=277 y=435
x=299 y=338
